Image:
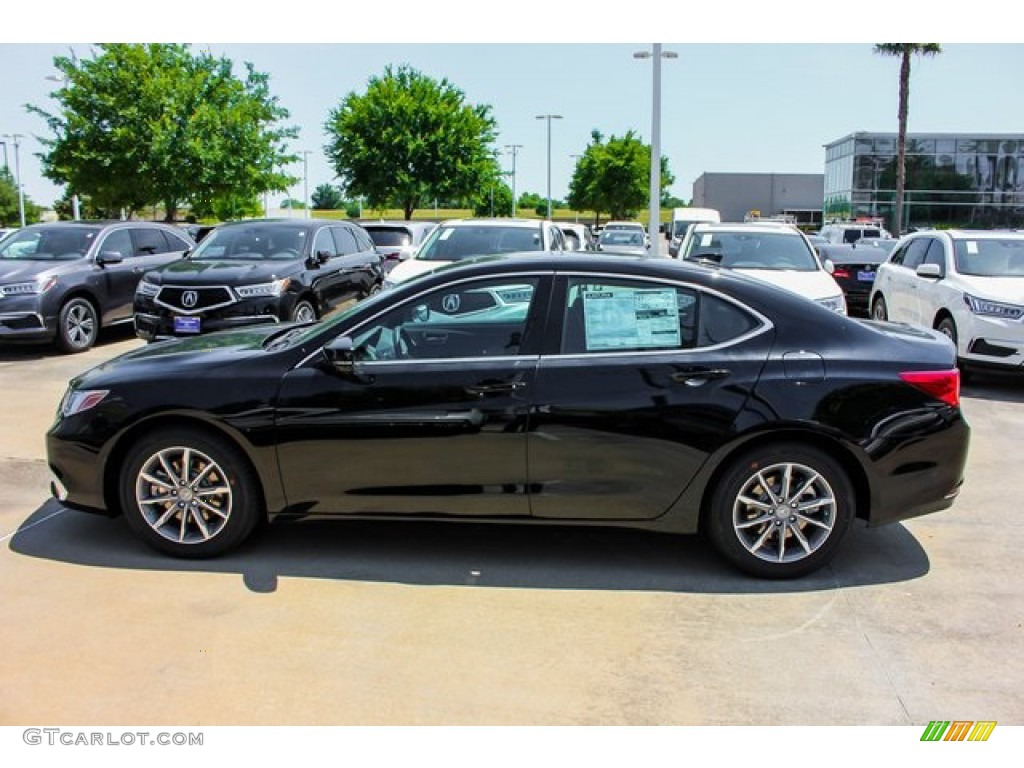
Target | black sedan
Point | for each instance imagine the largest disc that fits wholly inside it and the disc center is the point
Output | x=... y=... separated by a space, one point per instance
x=590 y=390
x=257 y=272
x=855 y=266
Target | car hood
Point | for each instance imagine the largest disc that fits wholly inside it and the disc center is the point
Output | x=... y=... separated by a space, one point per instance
x=24 y=270
x=814 y=285
x=227 y=272
x=1005 y=289
x=412 y=267
x=193 y=356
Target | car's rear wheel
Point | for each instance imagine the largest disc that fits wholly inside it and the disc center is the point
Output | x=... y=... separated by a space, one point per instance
x=878 y=309
x=78 y=325
x=781 y=511
x=189 y=494
x=304 y=312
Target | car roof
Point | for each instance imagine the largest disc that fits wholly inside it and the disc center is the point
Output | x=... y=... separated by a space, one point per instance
x=382 y=223
x=522 y=223
x=747 y=226
x=296 y=223
x=974 y=234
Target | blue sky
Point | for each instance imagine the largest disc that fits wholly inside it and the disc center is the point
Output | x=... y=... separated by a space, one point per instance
x=764 y=97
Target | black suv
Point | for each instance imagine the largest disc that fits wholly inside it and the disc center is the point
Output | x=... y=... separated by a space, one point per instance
x=261 y=271
x=62 y=281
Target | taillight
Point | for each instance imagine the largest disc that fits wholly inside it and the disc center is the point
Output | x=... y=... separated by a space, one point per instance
x=942 y=385
x=841 y=272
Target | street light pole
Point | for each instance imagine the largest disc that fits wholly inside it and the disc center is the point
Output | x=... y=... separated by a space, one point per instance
x=549 y=118
x=305 y=179
x=17 y=173
x=654 y=210
x=514 y=148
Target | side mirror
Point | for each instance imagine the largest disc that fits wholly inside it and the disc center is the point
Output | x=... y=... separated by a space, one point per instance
x=931 y=271
x=340 y=353
x=109 y=257
x=830 y=267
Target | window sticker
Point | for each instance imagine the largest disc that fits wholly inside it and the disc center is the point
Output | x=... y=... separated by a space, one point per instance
x=705 y=241
x=446 y=233
x=972 y=246
x=628 y=318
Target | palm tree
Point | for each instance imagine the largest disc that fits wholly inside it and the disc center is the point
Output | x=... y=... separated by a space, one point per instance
x=903 y=51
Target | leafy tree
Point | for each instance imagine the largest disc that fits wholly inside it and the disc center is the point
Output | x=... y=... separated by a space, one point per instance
x=497 y=200
x=614 y=176
x=531 y=200
x=903 y=51
x=292 y=204
x=327 y=198
x=147 y=124
x=10 y=213
x=410 y=139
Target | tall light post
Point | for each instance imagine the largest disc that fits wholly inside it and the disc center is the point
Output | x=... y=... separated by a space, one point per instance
x=305 y=179
x=654 y=210
x=514 y=149
x=17 y=174
x=5 y=156
x=549 y=118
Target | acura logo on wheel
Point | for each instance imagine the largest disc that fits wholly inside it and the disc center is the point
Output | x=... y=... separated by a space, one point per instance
x=189 y=299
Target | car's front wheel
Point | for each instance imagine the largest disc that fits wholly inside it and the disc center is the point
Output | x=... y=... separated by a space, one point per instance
x=78 y=325
x=781 y=511
x=878 y=309
x=304 y=312
x=189 y=494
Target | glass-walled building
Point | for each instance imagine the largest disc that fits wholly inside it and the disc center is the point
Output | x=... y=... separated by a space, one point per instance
x=964 y=180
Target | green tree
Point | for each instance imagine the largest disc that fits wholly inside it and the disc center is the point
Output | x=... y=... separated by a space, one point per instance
x=10 y=213
x=531 y=200
x=148 y=124
x=613 y=176
x=327 y=197
x=496 y=200
x=903 y=51
x=410 y=139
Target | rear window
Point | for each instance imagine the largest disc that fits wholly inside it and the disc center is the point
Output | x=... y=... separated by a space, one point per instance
x=390 y=236
x=464 y=242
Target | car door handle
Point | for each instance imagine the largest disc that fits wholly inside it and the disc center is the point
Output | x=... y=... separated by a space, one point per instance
x=495 y=387
x=434 y=338
x=697 y=377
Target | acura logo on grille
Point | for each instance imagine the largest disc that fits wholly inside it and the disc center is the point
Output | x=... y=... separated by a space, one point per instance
x=189 y=299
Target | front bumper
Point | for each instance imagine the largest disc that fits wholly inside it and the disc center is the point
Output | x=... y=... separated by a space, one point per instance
x=153 y=322
x=991 y=341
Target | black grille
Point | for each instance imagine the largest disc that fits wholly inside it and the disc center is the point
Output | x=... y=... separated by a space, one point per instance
x=204 y=298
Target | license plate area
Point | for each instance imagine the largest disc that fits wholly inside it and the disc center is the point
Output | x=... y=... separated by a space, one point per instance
x=866 y=276
x=187 y=325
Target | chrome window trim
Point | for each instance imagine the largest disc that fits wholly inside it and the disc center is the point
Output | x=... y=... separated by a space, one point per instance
x=766 y=324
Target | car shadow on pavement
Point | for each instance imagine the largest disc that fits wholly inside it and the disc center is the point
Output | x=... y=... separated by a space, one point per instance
x=14 y=351
x=469 y=554
x=995 y=385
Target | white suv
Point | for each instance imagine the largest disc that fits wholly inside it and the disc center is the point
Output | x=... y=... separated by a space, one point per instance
x=459 y=239
x=967 y=284
x=776 y=253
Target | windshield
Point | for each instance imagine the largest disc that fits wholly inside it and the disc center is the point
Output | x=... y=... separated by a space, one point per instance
x=389 y=236
x=753 y=250
x=621 y=237
x=455 y=243
x=987 y=257
x=251 y=243
x=48 y=244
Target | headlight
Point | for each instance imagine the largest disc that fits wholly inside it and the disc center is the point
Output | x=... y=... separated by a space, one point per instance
x=40 y=285
x=146 y=288
x=76 y=401
x=835 y=303
x=275 y=288
x=993 y=308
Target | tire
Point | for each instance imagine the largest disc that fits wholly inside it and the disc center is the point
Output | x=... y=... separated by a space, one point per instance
x=78 y=325
x=947 y=327
x=206 y=511
x=304 y=312
x=879 y=311
x=748 y=513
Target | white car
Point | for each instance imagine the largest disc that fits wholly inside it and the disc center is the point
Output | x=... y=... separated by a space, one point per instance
x=776 y=253
x=460 y=239
x=631 y=226
x=967 y=284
